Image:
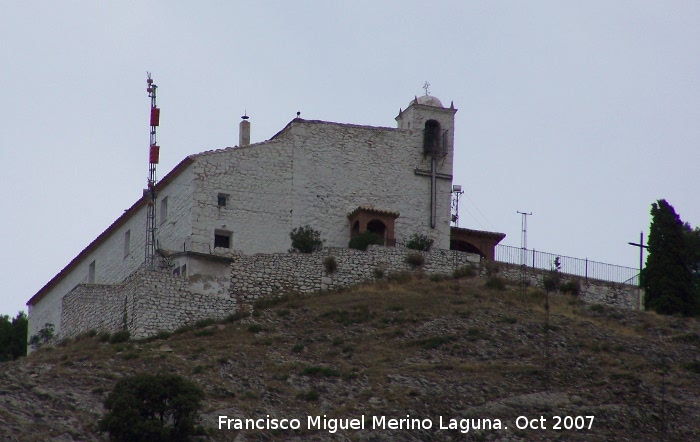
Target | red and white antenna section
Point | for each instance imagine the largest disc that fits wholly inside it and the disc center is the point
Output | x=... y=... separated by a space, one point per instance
x=153 y=156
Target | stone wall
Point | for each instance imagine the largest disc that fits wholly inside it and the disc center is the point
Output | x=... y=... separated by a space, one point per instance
x=165 y=303
x=147 y=302
x=592 y=290
x=115 y=258
x=93 y=307
x=260 y=275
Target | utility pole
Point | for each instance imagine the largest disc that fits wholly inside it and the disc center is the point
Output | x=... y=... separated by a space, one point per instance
x=523 y=236
x=456 y=192
x=523 y=252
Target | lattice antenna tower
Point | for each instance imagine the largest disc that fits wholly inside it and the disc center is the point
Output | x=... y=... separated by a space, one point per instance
x=153 y=156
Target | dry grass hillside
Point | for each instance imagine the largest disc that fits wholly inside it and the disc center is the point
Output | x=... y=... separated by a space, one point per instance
x=413 y=346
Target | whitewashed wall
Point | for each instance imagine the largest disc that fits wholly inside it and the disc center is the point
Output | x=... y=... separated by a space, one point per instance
x=111 y=264
x=312 y=173
x=258 y=180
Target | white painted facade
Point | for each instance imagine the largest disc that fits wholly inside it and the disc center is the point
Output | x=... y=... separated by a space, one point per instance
x=312 y=172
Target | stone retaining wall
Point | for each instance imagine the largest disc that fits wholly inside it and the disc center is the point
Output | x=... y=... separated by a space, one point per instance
x=92 y=307
x=260 y=275
x=592 y=290
x=165 y=303
x=148 y=302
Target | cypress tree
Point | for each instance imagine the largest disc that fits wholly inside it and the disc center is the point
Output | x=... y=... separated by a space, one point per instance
x=667 y=278
x=692 y=242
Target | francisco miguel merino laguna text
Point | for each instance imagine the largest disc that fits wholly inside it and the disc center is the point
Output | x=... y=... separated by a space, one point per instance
x=359 y=423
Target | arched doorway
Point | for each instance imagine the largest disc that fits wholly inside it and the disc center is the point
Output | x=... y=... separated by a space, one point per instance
x=377 y=227
x=377 y=221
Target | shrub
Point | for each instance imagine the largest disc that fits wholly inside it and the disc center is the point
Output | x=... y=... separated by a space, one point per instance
x=693 y=366
x=435 y=341
x=464 y=272
x=237 y=316
x=419 y=242
x=364 y=239
x=44 y=336
x=573 y=287
x=311 y=395
x=553 y=280
x=356 y=315
x=496 y=283
x=377 y=273
x=320 y=371
x=205 y=323
x=163 y=334
x=549 y=283
x=86 y=335
x=399 y=277
x=491 y=268
x=597 y=308
x=152 y=407
x=415 y=259
x=204 y=332
x=330 y=264
x=436 y=277
x=305 y=240
x=184 y=329
x=255 y=328
x=120 y=336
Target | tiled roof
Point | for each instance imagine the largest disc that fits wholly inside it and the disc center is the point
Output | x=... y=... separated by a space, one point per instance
x=374 y=210
x=479 y=233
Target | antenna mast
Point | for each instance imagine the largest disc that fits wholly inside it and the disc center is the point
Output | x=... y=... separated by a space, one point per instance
x=153 y=156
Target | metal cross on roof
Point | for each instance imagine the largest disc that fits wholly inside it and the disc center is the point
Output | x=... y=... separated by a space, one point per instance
x=426 y=86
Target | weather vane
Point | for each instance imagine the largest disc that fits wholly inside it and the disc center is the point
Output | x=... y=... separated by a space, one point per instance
x=426 y=86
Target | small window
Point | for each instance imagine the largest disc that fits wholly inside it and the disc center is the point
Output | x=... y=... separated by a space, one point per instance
x=127 y=243
x=163 y=210
x=91 y=273
x=180 y=271
x=222 y=200
x=222 y=239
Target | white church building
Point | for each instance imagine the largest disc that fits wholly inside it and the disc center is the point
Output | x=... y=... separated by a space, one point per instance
x=340 y=179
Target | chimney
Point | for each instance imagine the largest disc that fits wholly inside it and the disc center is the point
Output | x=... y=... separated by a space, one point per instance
x=244 y=132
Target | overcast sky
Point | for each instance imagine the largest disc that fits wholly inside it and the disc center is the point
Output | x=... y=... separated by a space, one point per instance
x=583 y=113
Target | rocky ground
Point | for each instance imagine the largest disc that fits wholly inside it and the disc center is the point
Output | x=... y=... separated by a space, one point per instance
x=451 y=350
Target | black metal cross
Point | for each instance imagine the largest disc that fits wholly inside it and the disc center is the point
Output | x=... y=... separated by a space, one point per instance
x=641 y=246
x=434 y=176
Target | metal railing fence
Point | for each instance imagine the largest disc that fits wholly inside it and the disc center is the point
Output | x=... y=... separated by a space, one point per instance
x=584 y=268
